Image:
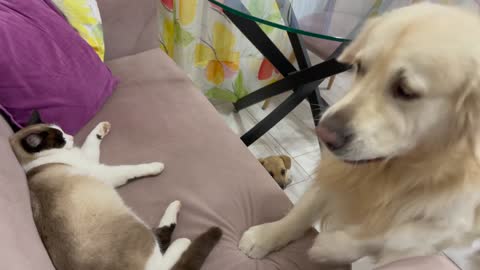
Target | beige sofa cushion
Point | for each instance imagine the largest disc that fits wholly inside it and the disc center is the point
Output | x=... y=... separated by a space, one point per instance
x=129 y=26
x=20 y=244
x=158 y=115
x=422 y=263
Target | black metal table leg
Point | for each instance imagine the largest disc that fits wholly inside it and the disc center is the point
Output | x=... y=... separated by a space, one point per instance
x=315 y=73
x=296 y=40
x=303 y=90
x=304 y=82
x=278 y=113
x=317 y=103
x=261 y=41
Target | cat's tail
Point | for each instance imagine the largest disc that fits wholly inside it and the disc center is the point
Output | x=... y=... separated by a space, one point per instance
x=195 y=255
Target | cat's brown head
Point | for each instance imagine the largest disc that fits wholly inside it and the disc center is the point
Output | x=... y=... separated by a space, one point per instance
x=36 y=137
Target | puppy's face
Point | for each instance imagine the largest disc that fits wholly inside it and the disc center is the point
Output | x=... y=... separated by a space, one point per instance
x=416 y=77
x=278 y=167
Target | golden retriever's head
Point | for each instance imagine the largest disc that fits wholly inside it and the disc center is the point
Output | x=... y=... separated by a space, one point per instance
x=416 y=86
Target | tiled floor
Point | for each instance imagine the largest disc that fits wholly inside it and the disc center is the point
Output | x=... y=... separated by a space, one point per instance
x=295 y=136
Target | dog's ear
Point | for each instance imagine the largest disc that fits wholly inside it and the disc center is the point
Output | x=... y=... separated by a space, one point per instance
x=349 y=54
x=468 y=109
x=34 y=118
x=262 y=161
x=287 y=161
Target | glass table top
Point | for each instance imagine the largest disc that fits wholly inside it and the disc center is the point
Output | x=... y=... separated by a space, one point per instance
x=336 y=20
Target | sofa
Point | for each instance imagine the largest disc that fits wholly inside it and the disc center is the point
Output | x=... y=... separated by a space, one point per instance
x=158 y=115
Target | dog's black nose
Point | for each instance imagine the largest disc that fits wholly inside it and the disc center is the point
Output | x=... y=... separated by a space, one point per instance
x=333 y=132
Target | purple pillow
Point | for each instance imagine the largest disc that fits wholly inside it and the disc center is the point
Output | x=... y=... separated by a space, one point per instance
x=45 y=65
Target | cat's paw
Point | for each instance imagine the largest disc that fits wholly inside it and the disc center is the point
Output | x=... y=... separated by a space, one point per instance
x=154 y=168
x=102 y=129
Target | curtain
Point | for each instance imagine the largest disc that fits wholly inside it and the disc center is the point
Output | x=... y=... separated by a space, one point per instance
x=199 y=37
x=215 y=55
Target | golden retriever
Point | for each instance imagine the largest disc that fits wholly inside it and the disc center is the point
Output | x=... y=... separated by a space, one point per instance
x=402 y=175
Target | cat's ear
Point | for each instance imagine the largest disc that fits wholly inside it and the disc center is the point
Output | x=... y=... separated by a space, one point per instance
x=34 y=118
x=33 y=140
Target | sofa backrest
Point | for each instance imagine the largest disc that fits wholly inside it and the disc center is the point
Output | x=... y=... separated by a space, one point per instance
x=20 y=245
x=129 y=26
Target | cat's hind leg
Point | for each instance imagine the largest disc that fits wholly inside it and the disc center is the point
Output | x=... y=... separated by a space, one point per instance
x=167 y=225
x=91 y=146
x=171 y=251
x=119 y=175
x=174 y=252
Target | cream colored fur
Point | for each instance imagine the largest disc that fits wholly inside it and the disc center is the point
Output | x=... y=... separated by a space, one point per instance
x=425 y=194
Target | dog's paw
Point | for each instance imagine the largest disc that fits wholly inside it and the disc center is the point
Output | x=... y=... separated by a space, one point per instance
x=155 y=168
x=260 y=240
x=335 y=247
x=102 y=129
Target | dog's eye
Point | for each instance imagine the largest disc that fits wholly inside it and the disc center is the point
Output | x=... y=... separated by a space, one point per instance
x=282 y=172
x=402 y=92
x=271 y=173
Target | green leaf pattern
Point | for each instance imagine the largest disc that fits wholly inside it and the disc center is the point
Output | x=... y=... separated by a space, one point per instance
x=239 y=91
x=182 y=37
x=221 y=94
x=267 y=10
x=238 y=87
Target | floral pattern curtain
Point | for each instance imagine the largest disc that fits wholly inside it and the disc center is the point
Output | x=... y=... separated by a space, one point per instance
x=209 y=48
x=220 y=60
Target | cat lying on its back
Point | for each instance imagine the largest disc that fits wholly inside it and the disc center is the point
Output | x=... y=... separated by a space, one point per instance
x=81 y=219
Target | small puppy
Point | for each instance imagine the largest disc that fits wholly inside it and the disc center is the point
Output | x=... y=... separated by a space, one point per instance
x=278 y=167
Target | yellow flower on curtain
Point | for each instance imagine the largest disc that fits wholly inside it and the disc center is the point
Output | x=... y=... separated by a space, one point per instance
x=172 y=34
x=186 y=11
x=84 y=16
x=168 y=37
x=219 y=58
x=208 y=47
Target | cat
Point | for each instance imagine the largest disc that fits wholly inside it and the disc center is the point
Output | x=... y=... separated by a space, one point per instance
x=81 y=219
